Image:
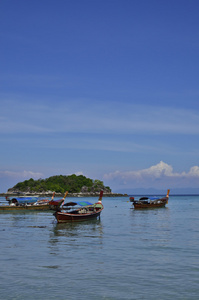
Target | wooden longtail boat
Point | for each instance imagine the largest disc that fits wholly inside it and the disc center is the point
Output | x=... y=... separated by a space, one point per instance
x=85 y=211
x=31 y=204
x=147 y=202
x=26 y=207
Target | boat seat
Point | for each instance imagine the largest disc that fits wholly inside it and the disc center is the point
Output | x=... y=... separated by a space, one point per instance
x=82 y=211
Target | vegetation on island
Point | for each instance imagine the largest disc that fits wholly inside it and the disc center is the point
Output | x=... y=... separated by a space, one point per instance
x=61 y=184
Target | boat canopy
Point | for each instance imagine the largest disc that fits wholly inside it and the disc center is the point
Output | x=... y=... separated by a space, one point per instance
x=80 y=203
x=149 y=198
x=25 y=200
x=154 y=198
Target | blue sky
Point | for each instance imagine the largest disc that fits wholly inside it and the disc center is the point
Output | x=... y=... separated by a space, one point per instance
x=107 y=89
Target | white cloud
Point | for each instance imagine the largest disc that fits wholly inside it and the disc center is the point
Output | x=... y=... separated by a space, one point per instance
x=194 y=172
x=160 y=175
x=79 y=173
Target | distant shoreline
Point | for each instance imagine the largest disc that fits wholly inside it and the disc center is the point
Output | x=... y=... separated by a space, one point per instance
x=61 y=195
x=81 y=195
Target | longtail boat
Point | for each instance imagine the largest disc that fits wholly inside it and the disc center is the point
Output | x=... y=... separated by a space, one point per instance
x=31 y=204
x=79 y=211
x=150 y=202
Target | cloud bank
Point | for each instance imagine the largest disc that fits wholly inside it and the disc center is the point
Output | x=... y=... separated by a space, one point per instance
x=161 y=175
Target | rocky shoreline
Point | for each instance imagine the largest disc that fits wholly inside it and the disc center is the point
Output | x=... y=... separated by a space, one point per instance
x=49 y=194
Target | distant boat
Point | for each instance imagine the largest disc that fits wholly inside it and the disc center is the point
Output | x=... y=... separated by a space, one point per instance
x=79 y=211
x=150 y=202
x=31 y=203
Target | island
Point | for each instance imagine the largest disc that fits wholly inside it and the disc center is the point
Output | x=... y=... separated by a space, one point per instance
x=76 y=185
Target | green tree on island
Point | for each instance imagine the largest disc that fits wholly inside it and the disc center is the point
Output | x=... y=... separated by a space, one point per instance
x=60 y=184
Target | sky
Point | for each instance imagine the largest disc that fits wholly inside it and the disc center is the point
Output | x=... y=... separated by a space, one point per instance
x=104 y=88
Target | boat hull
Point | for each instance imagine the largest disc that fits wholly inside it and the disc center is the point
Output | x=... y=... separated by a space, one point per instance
x=64 y=217
x=39 y=207
x=147 y=206
x=153 y=204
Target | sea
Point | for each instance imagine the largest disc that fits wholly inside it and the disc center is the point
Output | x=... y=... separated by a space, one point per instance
x=126 y=254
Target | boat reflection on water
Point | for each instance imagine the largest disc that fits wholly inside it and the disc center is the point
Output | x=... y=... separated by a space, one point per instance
x=92 y=228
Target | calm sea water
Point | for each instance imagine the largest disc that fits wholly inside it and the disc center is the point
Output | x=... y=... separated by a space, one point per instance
x=127 y=254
